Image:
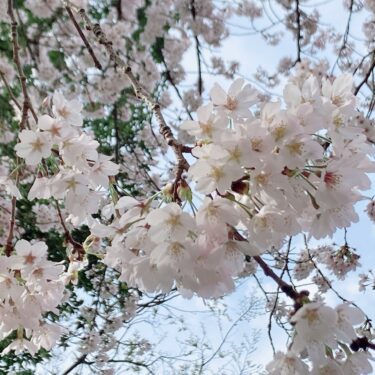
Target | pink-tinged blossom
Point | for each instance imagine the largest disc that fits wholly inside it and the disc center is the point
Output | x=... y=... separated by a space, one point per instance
x=19 y=346
x=214 y=215
x=41 y=188
x=316 y=327
x=47 y=335
x=209 y=126
x=370 y=210
x=102 y=169
x=57 y=129
x=169 y=222
x=237 y=101
x=340 y=91
x=31 y=286
x=358 y=363
x=30 y=255
x=68 y=111
x=173 y=256
x=137 y=208
x=347 y=317
x=33 y=146
x=10 y=187
x=214 y=174
x=287 y=364
x=331 y=367
x=79 y=151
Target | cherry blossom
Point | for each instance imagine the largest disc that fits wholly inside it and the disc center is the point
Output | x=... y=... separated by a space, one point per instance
x=33 y=146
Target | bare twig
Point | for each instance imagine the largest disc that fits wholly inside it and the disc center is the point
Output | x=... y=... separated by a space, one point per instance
x=27 y=106
x=171 y=81
x=84 y=39
x=79 y=361
x=6 y=84
x=9 y=241
x=346 y=35
x=197 y=49
x=299 y=31
x=77 y=247
x=367 y=75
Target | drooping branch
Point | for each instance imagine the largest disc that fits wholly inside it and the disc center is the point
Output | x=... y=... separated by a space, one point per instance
x=367 y=75
x=84 y=39
x=172 y=82
x=77 y=247
x=9 y=241
x=298 y=31
x=346 y=34
x=268 y=271
x=78 y=362
x=285 y=287
x=27 y=106
x=10 y=92
x=197 y=49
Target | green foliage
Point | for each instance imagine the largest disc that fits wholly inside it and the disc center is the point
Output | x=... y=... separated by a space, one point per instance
x=21 y=362
x=57 y=59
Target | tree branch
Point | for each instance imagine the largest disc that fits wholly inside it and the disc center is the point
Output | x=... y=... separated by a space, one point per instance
x=367 y=76
x=16 y=58
x=84 y=39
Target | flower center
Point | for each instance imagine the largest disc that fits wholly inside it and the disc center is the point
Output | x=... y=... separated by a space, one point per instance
x=231 y=103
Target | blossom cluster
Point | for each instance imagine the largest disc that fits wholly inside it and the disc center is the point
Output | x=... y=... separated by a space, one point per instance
x=79 y=171
x=325 y=335
x=268 y=170
x=31 y=286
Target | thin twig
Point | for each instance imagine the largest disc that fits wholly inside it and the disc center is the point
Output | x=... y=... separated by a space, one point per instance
x=27 y=106
x=299 y=31
x=9 y=241
x=77 y=247
x=84 y=39
x=346 y=35
x=367 y=76
x=79 y=361
x=18 y=105
x=197 y=49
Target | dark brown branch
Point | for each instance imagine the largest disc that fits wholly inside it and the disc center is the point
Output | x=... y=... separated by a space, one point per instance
x=346 y=34
x=18 y=105
x=299 y=31
x=9 y=242
x=285 y=287
x=77 y=247
x=27 y=106
x=361 y=343
x=367 y=76
x=171 y=81
x=84 y=39
x=197 y=49
x=78 y=362
x=28 y=42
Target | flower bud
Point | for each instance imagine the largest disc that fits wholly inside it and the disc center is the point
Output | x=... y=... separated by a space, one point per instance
x=184 y=191
x=167 y=192
x=370 y=210
x=240 y=187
